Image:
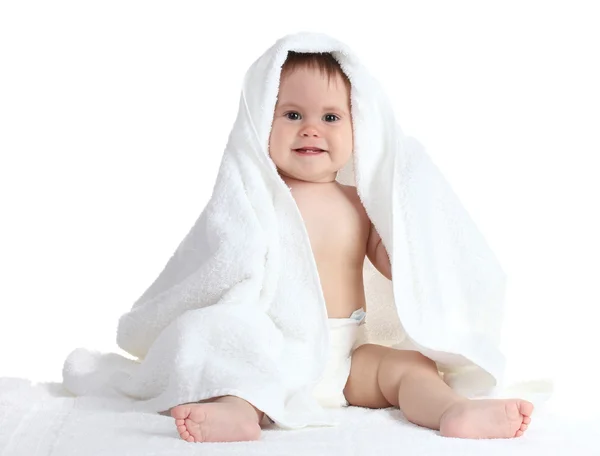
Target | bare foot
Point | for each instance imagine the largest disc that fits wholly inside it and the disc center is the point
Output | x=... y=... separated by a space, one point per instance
x=486 y=419
x=227 y=419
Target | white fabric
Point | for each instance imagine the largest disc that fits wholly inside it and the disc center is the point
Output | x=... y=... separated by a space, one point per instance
x=238 y=309
x=343 y=336
x=37 y=421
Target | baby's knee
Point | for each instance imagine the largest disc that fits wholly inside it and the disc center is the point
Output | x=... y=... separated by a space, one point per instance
x=406 y=361
x=417 y=358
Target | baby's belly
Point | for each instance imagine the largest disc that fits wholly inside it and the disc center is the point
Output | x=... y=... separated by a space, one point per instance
x=343 y=290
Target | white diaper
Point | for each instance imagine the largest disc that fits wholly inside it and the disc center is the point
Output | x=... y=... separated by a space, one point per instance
x=329 y=392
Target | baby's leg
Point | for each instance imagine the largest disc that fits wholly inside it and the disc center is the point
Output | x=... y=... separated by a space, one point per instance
x=382 y=376
x=222 y=419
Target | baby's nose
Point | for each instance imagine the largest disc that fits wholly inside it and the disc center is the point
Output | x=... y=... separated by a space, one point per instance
x=310 y=132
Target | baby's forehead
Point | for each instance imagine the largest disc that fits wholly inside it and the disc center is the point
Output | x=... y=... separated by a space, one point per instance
x=305 y=92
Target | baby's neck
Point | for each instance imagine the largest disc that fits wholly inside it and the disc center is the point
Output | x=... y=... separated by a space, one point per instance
x=292 y=182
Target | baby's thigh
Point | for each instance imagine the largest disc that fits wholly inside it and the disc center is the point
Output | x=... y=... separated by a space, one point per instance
x=362 y=388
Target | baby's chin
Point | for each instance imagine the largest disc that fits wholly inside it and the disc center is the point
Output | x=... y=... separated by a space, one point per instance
x=288 y=175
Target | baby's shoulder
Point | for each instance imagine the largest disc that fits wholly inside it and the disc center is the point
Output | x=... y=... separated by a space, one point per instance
x=354 y=198
x=351 y=193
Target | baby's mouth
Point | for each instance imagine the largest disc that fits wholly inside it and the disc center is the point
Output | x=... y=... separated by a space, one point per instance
x=309 y=151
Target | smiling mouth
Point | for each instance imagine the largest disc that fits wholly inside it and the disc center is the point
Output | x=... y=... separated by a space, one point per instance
x=308 y=151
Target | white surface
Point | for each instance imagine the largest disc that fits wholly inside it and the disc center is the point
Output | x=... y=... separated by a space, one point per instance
x=34 y=421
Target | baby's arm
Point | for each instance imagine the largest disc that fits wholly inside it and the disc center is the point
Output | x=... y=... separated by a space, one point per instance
x=377 y=254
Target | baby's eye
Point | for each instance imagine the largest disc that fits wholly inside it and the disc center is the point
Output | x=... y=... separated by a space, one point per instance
x=287 y=114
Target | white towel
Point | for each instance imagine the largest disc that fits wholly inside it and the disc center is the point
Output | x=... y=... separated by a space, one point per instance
x=238 y=309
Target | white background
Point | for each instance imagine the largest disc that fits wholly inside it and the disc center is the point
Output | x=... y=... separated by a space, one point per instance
x=114 y=116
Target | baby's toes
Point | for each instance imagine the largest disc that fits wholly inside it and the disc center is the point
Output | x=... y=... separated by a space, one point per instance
x=525 y=408
x=523 y=427
x=526 y=419
x=180 y=413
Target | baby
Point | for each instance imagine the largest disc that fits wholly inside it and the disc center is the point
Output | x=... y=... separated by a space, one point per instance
x=311 y=140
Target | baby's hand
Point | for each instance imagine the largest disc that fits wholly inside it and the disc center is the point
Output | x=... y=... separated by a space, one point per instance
x=377 y=253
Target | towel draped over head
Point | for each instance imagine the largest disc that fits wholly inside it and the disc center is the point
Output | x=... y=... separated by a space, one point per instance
x=239 y=310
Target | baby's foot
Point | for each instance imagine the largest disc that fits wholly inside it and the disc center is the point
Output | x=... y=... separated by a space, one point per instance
x=486 y=418
x=218 y=421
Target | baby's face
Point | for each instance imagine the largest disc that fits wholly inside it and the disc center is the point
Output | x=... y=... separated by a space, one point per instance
x=310 y=112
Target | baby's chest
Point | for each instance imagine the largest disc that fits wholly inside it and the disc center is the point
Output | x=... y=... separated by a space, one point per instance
x=335 y=229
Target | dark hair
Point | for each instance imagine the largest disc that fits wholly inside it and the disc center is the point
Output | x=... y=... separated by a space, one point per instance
x=322 y=61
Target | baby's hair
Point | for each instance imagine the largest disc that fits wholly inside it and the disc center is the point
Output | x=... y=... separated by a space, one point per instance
x=322 y=61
